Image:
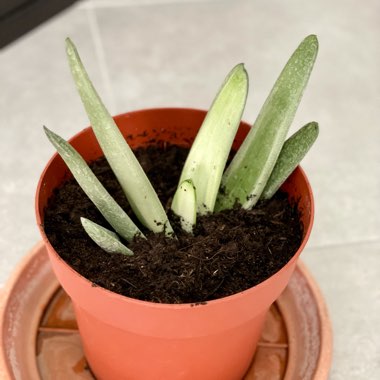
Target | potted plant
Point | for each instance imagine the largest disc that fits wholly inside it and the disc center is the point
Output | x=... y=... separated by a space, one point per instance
x=207 y=338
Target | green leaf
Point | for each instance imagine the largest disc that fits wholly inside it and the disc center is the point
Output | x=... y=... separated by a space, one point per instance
x=293 y=151
x=249 y=171
x=136 y=186
x=184 y=205
x=87 y=180
x=105 y=238
x=209 y=152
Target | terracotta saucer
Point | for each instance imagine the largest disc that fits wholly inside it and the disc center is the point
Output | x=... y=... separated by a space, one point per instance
x=39 y=338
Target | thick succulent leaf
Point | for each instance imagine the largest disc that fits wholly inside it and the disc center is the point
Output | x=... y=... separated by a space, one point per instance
x=249 y=171
x=184 y=205
x=104 y=238
x=136 y=186
x=209 y=152
x=87 y=180
x=293 y=151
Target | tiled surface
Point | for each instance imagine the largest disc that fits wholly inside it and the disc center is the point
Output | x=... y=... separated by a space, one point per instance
x=176 y=53
x=348 y=276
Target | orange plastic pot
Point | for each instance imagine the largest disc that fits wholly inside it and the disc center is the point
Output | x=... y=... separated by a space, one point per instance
x=124 y=338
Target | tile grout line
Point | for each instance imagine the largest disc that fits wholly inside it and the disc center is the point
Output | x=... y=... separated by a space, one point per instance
x=142 y=3
x=99 y=52
x=374 y=241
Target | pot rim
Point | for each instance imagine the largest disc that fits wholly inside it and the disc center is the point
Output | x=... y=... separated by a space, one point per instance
x=181 y=306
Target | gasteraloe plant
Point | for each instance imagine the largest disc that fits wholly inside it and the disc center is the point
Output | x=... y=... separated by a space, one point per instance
x=258 y=169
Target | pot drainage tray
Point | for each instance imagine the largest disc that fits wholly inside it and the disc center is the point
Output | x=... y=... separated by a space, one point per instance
x=40 y=340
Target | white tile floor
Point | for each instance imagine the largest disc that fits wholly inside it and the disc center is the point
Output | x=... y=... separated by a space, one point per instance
x=175 y=53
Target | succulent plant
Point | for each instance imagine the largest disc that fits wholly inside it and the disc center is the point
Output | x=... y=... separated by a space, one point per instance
x=257 y=171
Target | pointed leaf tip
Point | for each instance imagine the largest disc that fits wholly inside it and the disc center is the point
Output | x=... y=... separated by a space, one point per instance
x=90 y=184
x=293 y=151
x=184 y=205
x=312 y=37
x=53 y=137
x=315 y=125
x=312 y=42
x=209 y=153
x=245 y=178
x=69 y=44
x=104 y=238
x=134 y=182
x=240 y=72
x=240 y=66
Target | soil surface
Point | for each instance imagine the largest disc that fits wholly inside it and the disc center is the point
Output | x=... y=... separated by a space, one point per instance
x=229 y=252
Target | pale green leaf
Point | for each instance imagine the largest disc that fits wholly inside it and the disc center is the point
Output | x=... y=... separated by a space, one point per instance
x=293 y=151
x=87 y=180
x=209 y=152
x=104 y=238
x=184 y=205
x=136 y=186
x=249 y=171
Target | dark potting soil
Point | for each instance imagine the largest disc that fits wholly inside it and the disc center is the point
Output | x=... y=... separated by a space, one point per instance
x=229 y=252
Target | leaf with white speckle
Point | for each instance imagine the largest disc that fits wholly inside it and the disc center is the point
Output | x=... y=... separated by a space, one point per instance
x=249 y=171
x=184 y=205
x=293 y=151
x=104 y=238
x=134 y=182
x=90 y=184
